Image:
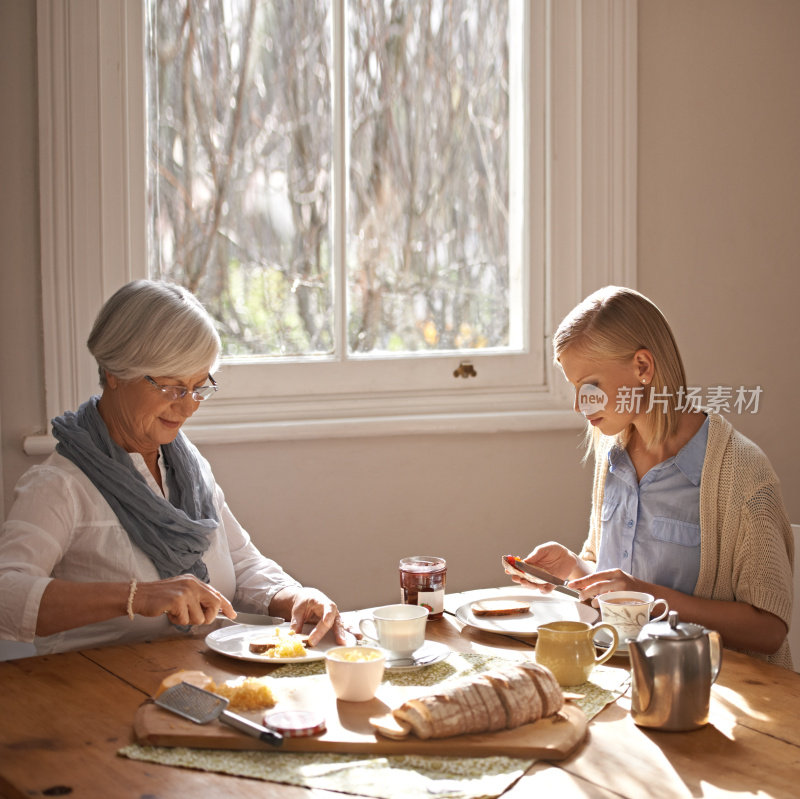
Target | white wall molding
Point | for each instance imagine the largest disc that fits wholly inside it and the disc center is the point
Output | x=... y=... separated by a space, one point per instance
x=91 y=184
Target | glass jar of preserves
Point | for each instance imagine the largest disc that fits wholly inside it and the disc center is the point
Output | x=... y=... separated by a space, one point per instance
x=422 y=582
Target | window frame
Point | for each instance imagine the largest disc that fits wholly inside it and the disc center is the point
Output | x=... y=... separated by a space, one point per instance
x=581 y=79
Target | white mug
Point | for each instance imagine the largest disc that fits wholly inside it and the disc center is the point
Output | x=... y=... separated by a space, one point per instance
x=629 y=611
x=400 y=629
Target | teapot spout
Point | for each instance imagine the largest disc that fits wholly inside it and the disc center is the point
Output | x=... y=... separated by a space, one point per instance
x=642 y=678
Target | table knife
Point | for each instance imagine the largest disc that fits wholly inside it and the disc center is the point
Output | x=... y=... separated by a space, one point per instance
x=253 y=618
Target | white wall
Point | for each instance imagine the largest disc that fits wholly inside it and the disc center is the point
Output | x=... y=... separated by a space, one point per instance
x=719 y=176
x=719 y=201
x=342 y=513
x=21 y=386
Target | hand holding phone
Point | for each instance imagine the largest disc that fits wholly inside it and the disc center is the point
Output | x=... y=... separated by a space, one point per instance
x=515 y=565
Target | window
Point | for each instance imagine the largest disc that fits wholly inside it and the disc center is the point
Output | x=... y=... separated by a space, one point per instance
x=246 y=143
x=378 y=347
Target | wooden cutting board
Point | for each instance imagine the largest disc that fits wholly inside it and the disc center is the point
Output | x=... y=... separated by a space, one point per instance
x=349 y=728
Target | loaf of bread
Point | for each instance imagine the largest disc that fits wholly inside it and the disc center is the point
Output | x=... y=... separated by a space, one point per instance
x=495 y=700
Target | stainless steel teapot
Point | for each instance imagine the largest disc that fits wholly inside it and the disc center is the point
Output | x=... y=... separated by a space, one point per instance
x=673 y=666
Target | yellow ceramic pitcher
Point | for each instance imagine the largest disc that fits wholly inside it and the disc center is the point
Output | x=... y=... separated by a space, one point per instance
x=567 y=648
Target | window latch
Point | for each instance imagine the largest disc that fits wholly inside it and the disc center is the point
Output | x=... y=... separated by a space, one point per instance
x=465 y=369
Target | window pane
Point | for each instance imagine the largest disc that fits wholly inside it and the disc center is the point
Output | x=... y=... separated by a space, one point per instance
x=239 y=166
x=241 y=154
x=427 y=244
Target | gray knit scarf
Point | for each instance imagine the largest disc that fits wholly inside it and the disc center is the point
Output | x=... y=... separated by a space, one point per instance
x=174 y=534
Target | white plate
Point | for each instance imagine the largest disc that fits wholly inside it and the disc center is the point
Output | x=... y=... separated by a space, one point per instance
x=429 y=653
x=543 y=609
x=234 y=641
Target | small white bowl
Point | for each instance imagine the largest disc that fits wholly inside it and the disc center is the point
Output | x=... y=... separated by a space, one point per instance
x=355 y=672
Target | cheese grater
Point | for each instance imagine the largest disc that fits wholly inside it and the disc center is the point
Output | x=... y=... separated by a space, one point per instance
x=201 y=706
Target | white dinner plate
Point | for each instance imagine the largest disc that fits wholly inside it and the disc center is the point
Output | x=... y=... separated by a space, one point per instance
x=234 y=641
x=543 y=609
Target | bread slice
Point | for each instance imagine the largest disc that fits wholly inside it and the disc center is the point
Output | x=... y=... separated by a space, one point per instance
x=197 y=678
x=518 y=695
x=496 y=718
x=416 y=715
x=259 y=646
x=546 y=684
x=470 y=708
x=500 y=607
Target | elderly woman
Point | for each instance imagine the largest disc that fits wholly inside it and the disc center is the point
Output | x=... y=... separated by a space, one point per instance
x=123 y=534
x=683 y=506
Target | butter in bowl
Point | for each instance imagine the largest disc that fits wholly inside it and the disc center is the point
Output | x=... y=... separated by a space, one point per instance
x=355 y=672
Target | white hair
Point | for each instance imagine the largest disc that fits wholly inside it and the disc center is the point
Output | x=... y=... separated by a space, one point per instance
x=153 y=328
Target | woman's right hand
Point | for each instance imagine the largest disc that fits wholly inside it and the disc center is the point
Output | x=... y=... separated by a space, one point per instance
x=554 y=558
x=184 y=599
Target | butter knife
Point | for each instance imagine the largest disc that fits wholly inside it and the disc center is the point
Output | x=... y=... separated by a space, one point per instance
x=253 y=618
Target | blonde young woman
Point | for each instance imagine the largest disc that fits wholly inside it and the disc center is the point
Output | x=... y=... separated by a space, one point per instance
x=683 y=506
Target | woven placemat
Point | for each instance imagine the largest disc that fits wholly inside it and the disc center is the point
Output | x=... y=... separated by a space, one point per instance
x=393 y=776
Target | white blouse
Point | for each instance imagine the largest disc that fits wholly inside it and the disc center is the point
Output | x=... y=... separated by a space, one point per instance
x=60 y=526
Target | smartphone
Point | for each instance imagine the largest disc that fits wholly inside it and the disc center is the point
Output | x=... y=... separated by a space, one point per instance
x=535 y=575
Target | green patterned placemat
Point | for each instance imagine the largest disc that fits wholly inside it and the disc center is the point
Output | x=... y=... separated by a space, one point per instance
x=392 y=776
x=456 y=665
x=606 y=686
x=385 y=777
x=607 y=683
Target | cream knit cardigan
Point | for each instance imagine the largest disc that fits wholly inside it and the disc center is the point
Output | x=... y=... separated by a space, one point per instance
x=746 y=542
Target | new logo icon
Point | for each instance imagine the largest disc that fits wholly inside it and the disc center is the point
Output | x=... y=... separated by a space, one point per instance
x=591 y=399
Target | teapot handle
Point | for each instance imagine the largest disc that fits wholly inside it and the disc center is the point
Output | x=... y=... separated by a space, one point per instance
x=715 y=644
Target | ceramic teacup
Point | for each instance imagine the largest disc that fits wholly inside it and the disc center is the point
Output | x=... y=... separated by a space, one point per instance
x=355 y=672
x=567 y=649
x=400 y=629
x=629 y=611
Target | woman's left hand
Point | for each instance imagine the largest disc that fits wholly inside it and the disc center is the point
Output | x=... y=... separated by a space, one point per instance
x=600 y=582
x=310 y=606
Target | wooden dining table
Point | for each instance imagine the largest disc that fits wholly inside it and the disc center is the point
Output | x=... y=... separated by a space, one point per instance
x=64 y=718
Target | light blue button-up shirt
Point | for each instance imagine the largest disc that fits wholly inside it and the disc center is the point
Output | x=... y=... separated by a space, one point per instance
x=651 y=528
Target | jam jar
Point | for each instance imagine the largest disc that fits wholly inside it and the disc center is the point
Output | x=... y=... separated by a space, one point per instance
x=422 y=582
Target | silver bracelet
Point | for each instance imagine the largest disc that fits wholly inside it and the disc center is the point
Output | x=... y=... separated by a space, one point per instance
x=131 y=595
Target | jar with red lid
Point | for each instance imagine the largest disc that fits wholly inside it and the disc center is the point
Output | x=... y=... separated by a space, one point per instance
x=422 y=582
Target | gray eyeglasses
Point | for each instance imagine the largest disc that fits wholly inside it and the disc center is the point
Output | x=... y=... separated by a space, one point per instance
x=179 y=392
